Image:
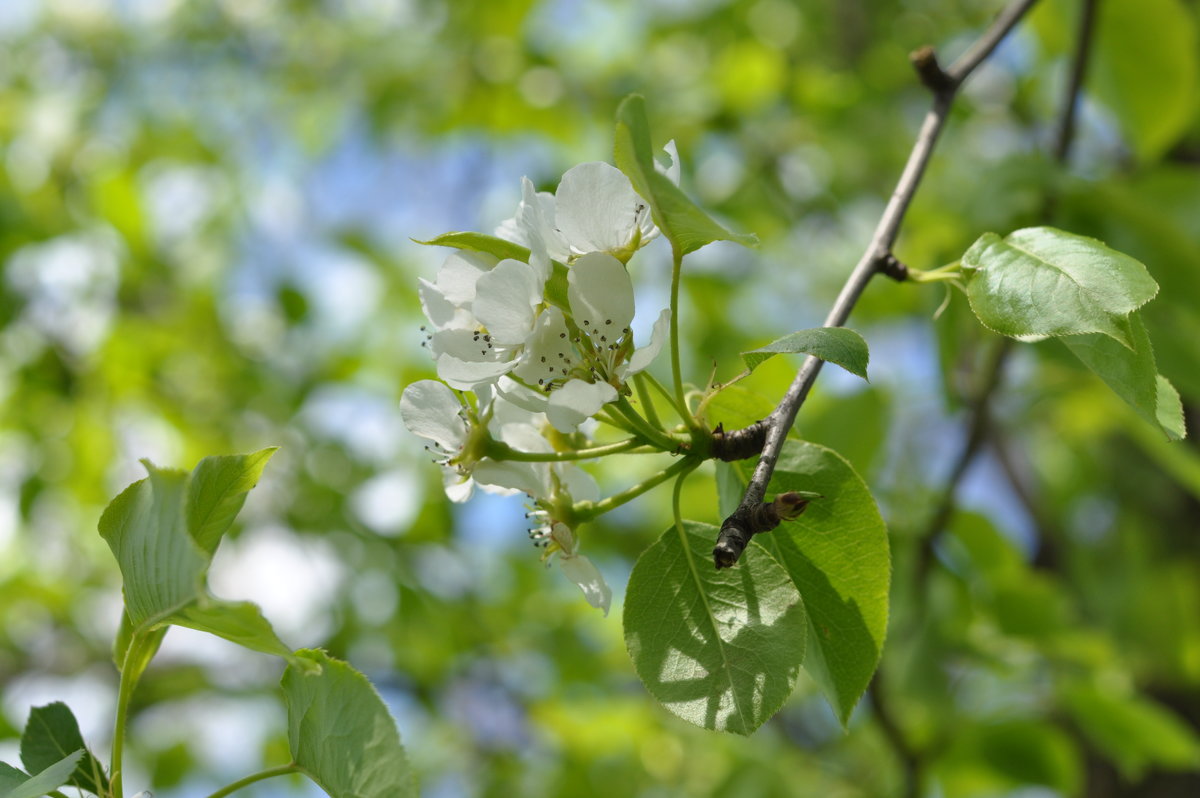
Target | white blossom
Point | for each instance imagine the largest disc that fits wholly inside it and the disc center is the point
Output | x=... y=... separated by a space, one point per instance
x=583 y=363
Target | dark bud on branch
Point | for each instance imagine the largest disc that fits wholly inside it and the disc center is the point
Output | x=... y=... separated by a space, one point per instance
x=930 y=71
x=749 y=521
x=889 y=266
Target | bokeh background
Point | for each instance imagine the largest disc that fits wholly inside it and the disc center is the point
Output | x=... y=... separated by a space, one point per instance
x=206 y=220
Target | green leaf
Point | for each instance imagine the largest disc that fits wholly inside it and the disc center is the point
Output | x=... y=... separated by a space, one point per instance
x=556 y=287
x=340 y=732
x=678 y=218
x=1135 y=732
x=217 y=491
x=51 y=778
x=480 y=242
x=1040 y=282
x=719 y=648
x=10 y=778
x=161 y=565
x=1132 y=374
x=239 y=622
x=1147 y=71
x=837 y=345
x=735 y=407
x=837 y=554
x=52 y=733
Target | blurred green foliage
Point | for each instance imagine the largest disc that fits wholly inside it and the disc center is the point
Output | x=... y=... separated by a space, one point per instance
x=205 y=210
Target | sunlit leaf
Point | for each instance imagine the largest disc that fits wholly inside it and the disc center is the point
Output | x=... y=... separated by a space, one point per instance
x=51 y=778
x=837 y=345
x=837 y=555
x=1040 y=281
x=1132 y=374
x=334 y=702
x=719 y=648
x=682 y=223
x=216 y=492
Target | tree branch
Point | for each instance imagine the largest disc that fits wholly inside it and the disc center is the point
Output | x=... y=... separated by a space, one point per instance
x=736 y=531
x=978 y=426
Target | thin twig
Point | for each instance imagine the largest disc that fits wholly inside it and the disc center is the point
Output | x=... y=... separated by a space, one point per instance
x=944 y=85
x=980 y=422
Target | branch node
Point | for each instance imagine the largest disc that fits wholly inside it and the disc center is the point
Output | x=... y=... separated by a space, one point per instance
x=740 y=443
x=924 y=60
x=890 y=266
x=749 y=520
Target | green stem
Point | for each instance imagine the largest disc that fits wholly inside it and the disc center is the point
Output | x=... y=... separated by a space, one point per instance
x=647 y=401
x=269 y=773
x=682 y=411
x=613 y=419
x=501 y=451
x=654 y=436
x=586 y=511
x=124 y=694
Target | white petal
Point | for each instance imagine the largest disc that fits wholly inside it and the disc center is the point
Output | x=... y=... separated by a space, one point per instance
x=505 y=301
x=596 y=208
x=601 y=295
x=576 y=402
x=548 y=351
x=458 y=489
x=658 y=336
x=467 y=375
x=439 y=310
x=671 y=169
x=535 y=218
x=430 y=410
x=509 y=391
x=459 y=274
x=581 y=571
x=579 y=484
x=525 y=477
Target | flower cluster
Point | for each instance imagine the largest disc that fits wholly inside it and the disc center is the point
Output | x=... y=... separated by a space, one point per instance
x=519 y=367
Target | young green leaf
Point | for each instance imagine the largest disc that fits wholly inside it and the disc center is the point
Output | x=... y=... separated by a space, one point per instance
x=150 y=528
x=239 y=622
x=837 y=555
x=340 y=732
x=720 y=649
x=217 y=491
x=480 y=242
x=837 y=345
x=556 y=286
x=682 y=223
x=161 y=566
x=52 y=733
x=1133 y=375
x=51 y=778
x=1040 y=282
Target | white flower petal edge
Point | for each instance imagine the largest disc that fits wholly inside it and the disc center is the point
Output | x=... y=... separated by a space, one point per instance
x=597 y=209
x=600 y=293
x=658 y=337
x=506 y=299
x=576 y=402
x=431 y=411
x=581 y=570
